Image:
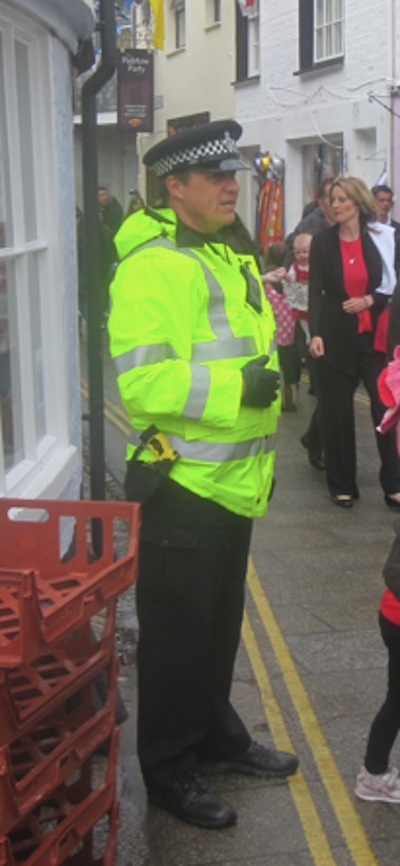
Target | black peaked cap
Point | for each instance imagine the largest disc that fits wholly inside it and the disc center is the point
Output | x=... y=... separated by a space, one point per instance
x=209 y=146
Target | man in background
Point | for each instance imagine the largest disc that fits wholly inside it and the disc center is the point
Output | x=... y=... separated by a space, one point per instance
x=320 y=217
x=110 y=210
x=383 y=196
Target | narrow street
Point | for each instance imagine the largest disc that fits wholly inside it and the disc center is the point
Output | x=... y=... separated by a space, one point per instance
x=310 y=673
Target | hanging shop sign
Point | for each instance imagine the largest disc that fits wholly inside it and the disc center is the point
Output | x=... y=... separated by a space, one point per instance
x=136 y=90
x=177 y=124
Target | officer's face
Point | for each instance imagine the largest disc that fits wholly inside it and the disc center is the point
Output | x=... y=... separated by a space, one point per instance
x=203 y=200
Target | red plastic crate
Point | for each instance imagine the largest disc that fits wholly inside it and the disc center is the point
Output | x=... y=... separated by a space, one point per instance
x=43 y=593
x=87 y=856
x=33 y=691
x=58 y=825
x=39 y=761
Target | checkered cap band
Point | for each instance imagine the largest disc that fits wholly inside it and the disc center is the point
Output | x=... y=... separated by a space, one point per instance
x=195 y=155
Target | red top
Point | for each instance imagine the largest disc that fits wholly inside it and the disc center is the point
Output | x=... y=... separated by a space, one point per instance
x=390 y=607
x=355 y=276
x=301 y=272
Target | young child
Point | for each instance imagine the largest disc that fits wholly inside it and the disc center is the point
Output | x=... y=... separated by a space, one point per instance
x=375 y=780
x=285 y=324
x=295 y=283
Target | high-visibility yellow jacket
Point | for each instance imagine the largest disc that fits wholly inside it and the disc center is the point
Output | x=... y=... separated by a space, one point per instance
x=183 y=322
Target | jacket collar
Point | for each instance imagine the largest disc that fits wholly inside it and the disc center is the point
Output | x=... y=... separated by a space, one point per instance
x=188 y=237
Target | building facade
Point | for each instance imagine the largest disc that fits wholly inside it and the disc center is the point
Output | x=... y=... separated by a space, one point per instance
x=313 y=82
x=40 y=435
x=193 y=79
x=325 y=98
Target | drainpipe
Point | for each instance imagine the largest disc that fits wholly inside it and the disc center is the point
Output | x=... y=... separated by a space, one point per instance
x=90 y=88
x=393 y=103
x=391 y=71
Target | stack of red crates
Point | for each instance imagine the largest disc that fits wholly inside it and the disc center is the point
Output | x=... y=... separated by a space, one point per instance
x=52 y=805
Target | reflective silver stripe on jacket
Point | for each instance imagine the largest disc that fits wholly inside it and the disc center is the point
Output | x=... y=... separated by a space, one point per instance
x=140 y=356
x=217 y=452
x=224 y=347
x=273 y=347
x=198 y=394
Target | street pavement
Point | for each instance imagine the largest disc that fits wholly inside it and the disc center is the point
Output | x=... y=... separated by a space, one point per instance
x=310 y=674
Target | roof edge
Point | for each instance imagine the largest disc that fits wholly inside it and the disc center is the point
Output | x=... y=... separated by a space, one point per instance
x=72 y=22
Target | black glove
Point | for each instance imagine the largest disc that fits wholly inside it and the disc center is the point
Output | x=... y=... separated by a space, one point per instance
x=261 y=386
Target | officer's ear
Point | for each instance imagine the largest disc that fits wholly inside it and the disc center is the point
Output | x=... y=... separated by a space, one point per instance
x=175 y=185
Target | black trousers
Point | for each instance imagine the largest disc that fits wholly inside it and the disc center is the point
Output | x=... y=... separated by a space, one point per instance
x=313 y=435
x=386 y=725
x=190 y=599
x=290 y=364
x=336 y=389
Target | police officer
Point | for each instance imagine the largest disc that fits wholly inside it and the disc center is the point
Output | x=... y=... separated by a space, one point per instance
x=192 y=337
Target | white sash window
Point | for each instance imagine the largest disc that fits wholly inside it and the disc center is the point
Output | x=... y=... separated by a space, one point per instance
x=34 y=423
x=328 y=29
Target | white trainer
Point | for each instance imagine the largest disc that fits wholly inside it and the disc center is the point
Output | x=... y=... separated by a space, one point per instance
x=384 y=788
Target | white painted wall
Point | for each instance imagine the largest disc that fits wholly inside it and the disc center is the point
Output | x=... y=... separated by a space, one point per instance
x=284 y=111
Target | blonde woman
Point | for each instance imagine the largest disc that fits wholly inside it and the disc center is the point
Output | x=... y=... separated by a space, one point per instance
x=351 y=279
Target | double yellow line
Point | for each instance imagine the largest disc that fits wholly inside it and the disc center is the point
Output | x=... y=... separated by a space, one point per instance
x=115 y=414
x=342 y=805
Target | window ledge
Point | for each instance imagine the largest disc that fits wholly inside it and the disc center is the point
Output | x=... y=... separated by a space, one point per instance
x=252 y=79
x=46 y=479
x=176 y=51
x=323 y=65
x=213 y=26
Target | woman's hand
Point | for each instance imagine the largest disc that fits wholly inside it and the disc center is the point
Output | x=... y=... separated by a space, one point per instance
x=357 y=305
x=316 y=347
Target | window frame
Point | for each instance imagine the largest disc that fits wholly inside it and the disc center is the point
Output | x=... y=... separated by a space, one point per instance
x=247 y=44
x=307 y=39
x=44 y=454
x=253 y=58
x=177 y=13
x=180 y=28
x=212 y=13
x=326 y=29
x=217 y=11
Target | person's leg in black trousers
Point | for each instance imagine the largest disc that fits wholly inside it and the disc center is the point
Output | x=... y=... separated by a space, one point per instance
x=336 y=398
x=289 y=363
x=312 y=438
x=371 y=365
x=376 y=782
x=190 y=597
x=386 y=725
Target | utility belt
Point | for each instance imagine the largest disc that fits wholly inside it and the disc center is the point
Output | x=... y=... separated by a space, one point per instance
x=143 y=477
